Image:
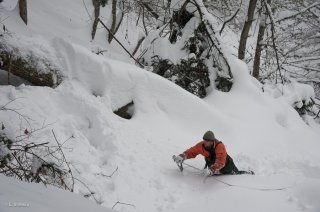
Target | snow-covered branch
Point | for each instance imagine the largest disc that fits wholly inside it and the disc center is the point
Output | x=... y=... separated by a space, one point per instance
x=297 y=13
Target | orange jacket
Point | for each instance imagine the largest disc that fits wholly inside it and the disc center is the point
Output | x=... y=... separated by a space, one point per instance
x=220 y=150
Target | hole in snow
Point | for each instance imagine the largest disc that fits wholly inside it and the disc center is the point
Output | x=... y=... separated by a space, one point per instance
x=126 y=111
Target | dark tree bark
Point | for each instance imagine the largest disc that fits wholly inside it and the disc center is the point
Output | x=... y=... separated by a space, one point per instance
x=23 y=10
x=119 y=23
x=260 y=43
x=138 y=45
x=246 y=28
x=114 y=20
x=259 y=47
x=115 y=23
x=96 y=5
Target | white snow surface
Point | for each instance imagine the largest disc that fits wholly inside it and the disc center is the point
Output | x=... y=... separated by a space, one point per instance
x=22 y=196
x=261 y=130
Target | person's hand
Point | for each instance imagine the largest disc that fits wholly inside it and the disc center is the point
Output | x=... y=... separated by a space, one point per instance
x=207 y=172
x=178 y=159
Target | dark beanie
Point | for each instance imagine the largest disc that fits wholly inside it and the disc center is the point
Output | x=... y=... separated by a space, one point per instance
x=209 y=136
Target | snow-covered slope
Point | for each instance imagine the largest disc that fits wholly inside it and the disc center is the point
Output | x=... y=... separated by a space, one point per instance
x=261 y=131
x=20 y=196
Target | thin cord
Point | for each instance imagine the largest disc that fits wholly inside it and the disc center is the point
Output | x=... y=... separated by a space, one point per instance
x=240 y=186
x=192 y=166
x=248 y=187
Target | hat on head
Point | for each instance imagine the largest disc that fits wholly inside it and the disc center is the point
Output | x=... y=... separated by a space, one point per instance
x=209 y=136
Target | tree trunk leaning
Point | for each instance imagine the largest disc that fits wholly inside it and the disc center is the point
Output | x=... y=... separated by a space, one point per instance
x=259 y=47
x=23 y=10
x=114 y=20
x=96 y=5
x=246 y=28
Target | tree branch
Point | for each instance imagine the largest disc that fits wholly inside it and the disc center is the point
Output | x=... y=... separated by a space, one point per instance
x=122 y=204
x=64 y=157
x=269 y=12
x=141 y=66
x=230 y=19
x=154 y=14
x=297 y=13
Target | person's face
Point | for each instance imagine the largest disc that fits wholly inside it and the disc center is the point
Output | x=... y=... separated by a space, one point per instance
x=208 y=144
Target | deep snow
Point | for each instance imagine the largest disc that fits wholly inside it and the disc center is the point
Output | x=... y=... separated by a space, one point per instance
x=261 y=130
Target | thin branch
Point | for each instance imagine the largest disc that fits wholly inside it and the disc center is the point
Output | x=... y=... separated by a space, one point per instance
x=122 y=203
x=303 y=67
x=59 y=145
x=91 y=192
x=230 y=19
x=4 y=106
x=138 y=45
x=298 y=13
x=269 y=12
x=150 y=10
x=34 y=145
x=20 y=115
x=144 y=23
x=141 y=66
x=110 y=176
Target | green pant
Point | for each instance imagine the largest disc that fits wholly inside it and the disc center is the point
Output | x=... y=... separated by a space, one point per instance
x=230 y=167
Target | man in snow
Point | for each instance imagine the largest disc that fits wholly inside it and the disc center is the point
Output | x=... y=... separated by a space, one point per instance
x=215 y=154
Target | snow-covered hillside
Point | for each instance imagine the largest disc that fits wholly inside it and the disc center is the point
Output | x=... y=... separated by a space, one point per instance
x=261 y=130
x=17 y=196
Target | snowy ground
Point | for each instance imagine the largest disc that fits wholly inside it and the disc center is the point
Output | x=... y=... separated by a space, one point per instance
x=21 y=196
x=261 y=131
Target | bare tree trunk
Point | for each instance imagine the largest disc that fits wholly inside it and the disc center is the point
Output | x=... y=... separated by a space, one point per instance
x=260 y=42
x=269 y=13
x=257 y=55
x=246 y=28
x=138 y=45
x=96 y=5
x=119 y=23
x=114 y=20
x=143 y=22
x=23 y=10
x=137 y=22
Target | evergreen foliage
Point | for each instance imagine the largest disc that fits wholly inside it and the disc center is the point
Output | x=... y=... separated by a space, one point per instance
x=191 y=74
x=104 y=3
x=305 y=107
x=5 y=145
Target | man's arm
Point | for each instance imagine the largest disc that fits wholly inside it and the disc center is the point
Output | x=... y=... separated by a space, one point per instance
x=193 y=151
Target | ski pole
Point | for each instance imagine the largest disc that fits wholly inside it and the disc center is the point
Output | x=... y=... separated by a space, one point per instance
x=192 y=166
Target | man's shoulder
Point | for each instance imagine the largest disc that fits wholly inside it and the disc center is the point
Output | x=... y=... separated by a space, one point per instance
x=200 y=143
x=220 y=145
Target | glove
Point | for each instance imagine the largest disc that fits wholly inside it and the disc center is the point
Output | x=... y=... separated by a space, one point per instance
x=178 y=159
x=207 y=172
